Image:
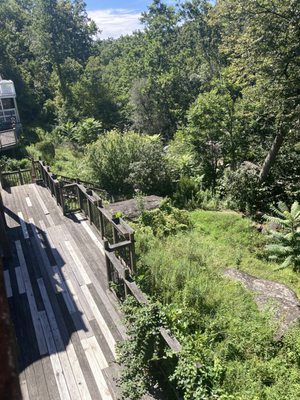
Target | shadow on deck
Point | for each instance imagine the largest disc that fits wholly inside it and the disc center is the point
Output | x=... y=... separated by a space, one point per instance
x=66 y=321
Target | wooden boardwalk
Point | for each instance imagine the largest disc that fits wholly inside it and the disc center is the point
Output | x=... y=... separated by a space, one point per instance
x=66 y=320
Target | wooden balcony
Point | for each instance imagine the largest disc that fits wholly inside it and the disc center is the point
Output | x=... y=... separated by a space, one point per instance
x=66 y=320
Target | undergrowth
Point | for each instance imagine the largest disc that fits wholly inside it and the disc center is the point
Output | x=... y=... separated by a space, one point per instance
x=228 y=346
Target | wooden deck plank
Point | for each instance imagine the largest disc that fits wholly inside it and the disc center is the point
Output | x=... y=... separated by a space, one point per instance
x=98 y=375
x=50 y=220
x=95 y=347
x=27 y=347
x=80 y=322
x=63 y=355
x=41 y=380
x=20 y=281
x=97 y=278
x=28 y=202
x=7 y=284
x=73 y=250
x=58 y=372
x=90 y=232
x=42 y=251
x=24 y=389
x=32 y=304
x=50 y=379
x=99 y=318
x=85 y=367
x=105 y=313
x=81 y=383
x=23 y=225
x=40 y=200
x=11 y=218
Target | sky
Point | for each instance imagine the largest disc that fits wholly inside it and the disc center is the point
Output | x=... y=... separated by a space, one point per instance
x=116 y=17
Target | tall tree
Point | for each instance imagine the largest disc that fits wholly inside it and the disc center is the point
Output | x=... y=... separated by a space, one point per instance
x=261 y=38
x=61 y=29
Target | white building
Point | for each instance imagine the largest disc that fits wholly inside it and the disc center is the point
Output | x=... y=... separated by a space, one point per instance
x=10 y=122
x=9 y=115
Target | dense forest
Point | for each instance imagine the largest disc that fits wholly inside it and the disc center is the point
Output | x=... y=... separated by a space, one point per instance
x=201 y=106
x=211 y=91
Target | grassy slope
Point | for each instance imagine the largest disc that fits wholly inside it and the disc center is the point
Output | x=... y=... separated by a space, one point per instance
x=228 y=240
x=218 y=316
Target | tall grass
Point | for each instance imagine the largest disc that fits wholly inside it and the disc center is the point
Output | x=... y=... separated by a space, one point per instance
x=216 y=317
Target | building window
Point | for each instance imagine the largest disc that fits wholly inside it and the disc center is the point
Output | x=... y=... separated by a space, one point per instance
x=8 y=104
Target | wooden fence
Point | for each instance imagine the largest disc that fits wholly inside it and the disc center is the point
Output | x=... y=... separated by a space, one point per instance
x=72 y=195
x=117 y=236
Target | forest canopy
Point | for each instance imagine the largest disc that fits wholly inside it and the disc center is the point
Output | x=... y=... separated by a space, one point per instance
x=218 y=82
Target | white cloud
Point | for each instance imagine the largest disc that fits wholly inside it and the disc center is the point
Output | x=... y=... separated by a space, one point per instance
x=116 y=22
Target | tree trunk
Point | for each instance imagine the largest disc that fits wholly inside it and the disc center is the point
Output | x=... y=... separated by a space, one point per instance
x=270 y=159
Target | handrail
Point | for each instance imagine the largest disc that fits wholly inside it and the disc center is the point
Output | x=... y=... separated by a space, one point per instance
x=117 y=235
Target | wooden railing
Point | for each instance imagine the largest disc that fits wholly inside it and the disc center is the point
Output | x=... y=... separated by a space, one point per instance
x=16 y=178
x=72 y=195
x=117 y=236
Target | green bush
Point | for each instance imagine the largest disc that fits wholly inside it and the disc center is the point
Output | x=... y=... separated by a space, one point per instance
x=123 y=163
x=144 y=346
x=186 y=195
x=166 y=220
x=12 y=164
x=82 y=133
x=46 y=150
x=286 y=242
x=242 y=188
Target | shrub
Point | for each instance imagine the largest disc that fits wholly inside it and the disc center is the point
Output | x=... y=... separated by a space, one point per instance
x=165 y=220
x=86 y=131
x=82 y=133
x=144 y=346
x=186 y=192
x=150 y=173
x=286 y=243
x=242 y=187
x=122 y=163
x=47 y=150
x=11 y=164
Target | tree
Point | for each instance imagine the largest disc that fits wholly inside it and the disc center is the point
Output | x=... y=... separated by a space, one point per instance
x=261 y=38
x=61 y=29
x=217 y=128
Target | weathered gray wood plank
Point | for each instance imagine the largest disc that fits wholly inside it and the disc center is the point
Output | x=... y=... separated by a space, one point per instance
x=39 y=199
x=7 y=284
x=80 y=323
x=20 y=281
x=31 y=300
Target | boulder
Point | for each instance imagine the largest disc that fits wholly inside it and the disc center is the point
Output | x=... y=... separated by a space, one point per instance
x=269 y=294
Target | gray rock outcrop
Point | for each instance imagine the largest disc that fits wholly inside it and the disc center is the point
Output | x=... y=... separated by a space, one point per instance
x=272 y=295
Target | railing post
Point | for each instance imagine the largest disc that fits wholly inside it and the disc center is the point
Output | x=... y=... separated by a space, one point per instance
x=62 y=200
x=132 y=252
x=56 y=191
x=107 y=262
x=33 y=171
x=126 y=277
x=79 y=194
x=1 y=179
x=21 y=177
x=89 y=192
x=101 y=223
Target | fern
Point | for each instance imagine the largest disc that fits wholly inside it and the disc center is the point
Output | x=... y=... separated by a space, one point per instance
x=285 y=246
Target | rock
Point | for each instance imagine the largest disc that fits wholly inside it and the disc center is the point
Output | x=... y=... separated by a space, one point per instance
x=278 y=296
x=130 y=208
